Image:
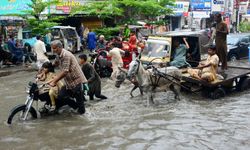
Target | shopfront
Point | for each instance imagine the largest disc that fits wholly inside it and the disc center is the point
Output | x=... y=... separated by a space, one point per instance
x=200 y=13
x=178 y=19
x=64 y=9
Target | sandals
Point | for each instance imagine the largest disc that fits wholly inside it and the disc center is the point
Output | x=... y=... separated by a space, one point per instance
x=52 y=108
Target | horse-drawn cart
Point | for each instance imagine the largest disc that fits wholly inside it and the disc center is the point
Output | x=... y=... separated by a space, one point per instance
x=238 y=78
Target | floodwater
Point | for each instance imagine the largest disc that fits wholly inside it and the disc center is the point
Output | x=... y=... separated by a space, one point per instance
x=126 y=123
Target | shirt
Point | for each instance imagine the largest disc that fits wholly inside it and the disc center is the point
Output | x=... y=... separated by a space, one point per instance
x=68 y=62
x=221 y=37
x=115 y=54
x=214 y=61
x=90 y=73
x=40 y=49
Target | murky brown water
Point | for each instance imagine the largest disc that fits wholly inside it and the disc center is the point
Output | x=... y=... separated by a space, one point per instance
x=124 y=123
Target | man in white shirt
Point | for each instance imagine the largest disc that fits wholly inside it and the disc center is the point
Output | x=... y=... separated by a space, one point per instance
x=116 y=56
x=40 y=51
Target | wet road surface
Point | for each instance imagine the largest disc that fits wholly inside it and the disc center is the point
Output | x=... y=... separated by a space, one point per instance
x=122 y=122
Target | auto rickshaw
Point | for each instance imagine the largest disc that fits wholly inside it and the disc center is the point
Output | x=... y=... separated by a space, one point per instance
x=159 y=47
x=68 y=36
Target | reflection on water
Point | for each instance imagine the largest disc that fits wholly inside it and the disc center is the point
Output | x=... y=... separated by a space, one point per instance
x=124 y=123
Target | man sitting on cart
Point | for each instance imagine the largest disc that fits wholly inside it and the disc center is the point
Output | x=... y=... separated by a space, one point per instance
x=207 y=70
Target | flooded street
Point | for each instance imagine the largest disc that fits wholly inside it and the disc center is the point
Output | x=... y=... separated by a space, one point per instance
x=126 y=123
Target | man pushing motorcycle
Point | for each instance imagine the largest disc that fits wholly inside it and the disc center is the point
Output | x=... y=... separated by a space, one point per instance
x=73 y=76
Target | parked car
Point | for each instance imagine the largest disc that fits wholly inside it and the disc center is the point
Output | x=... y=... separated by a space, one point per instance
x=159 y=47
x=68 y=36
x=237 y=46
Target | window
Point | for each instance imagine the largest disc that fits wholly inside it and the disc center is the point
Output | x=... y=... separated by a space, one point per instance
x=157 y=48
x=245 y=40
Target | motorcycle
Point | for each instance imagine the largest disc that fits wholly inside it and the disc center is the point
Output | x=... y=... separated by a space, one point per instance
x=26 y=110
x=36 y=92
x=102 y=63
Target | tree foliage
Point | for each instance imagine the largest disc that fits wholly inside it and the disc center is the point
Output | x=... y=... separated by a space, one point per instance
x=38 y=22
x=126 y=9
x=108 y=32
x=244 y=26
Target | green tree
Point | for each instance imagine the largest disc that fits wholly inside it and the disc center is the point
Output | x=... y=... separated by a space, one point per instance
x=126 y=9
x=38 y=22
x=244 y=26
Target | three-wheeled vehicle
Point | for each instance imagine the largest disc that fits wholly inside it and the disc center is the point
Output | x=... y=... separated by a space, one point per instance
x=68 y=36
x=160 y=46
x=159 y=49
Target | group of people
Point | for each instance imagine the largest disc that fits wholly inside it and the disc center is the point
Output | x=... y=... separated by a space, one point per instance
x=217 y=53
x=14 y=51
x=78 y=76
x=206 y=70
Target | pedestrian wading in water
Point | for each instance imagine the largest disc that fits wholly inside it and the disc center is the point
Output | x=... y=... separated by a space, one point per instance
x=73 y=77
x=94 y=80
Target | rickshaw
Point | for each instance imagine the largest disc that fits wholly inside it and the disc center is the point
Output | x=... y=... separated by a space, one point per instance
x=159 y=47
x=68 y=36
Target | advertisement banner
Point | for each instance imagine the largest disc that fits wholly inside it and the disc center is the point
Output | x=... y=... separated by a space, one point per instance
x=64 y=6
x=13 y=6
x=200 y=5
x=218 y=6
x=179 y=8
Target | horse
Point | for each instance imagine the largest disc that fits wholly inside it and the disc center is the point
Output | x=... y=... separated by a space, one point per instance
x=120 y=78
x=149 y=80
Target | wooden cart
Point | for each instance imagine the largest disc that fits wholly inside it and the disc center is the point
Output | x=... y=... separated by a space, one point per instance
x=238 y=79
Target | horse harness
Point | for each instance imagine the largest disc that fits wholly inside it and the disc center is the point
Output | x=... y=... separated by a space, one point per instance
x=156 y=76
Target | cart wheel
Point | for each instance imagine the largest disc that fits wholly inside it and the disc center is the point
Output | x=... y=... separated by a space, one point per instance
x=218 y=93
x=205 y=93
x=243 y=84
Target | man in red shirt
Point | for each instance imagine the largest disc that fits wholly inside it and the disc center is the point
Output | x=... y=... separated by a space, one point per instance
x=132 y=43
x=132 y=40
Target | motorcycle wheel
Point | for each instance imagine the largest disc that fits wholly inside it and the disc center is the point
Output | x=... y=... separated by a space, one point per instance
x=17 y=113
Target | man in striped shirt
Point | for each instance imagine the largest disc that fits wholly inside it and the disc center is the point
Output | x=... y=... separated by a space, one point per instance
x=73 y=76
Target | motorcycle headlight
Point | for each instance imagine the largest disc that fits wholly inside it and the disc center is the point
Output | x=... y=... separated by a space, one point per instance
x=27 y=90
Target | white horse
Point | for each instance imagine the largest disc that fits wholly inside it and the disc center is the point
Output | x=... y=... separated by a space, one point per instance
x=120 y=78
x=151 y=80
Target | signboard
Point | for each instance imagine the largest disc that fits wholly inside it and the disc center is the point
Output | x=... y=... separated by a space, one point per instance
x=200 y=5
x=13 y=6
x=218 y=5
x=180 y=8
x=64 y=7
x=243 y=9
x=201 y=14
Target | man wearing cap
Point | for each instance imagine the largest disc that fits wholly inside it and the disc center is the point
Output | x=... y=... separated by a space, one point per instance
x=207 y=70
x=101 y=43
